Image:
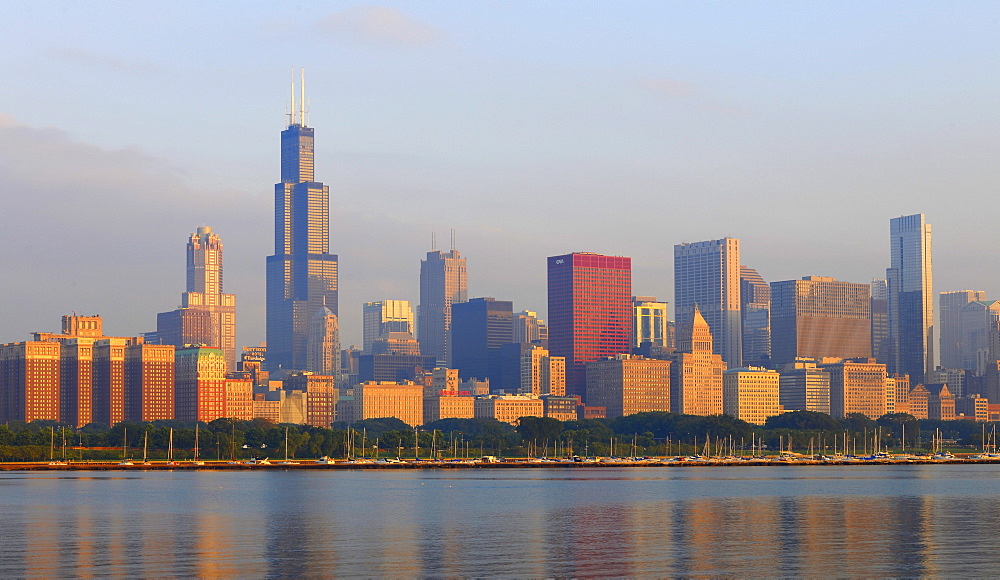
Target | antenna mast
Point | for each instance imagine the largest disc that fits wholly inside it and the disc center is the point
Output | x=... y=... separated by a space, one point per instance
x=434 y=242
x=453 y=239
x=302 y=99
x=291 y=113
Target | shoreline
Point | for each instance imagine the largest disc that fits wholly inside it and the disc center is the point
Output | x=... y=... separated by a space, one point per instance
x=477 y=464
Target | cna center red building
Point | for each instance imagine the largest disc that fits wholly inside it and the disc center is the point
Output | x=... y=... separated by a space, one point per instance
x=590 y=310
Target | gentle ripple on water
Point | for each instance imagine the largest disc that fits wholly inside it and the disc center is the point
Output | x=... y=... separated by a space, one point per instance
x=768 y=521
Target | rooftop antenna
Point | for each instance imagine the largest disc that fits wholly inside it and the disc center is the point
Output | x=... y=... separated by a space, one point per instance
x=434 y=242
x=291 y=112
x=453 y=239
x=302 y=99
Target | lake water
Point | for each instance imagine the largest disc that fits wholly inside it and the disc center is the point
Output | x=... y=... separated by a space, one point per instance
x=911 y=520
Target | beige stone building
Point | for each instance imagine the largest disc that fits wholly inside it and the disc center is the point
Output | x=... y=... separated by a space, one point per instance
x=509 y=408
x=696 y=373
x=751 y=394
x=628 y=384
x=379 y=399
x=239 y=395
x=437 y=407
x=858 y=386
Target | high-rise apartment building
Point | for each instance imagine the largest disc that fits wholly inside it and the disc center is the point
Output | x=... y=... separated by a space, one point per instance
x=444 y=281
x=707 y=276
x=29 y=381
x=696 y=373
x=755 y=316
x=479 y=328
x=627 y=384
x=149 y=382
x=302 y=273
x=649 y=321
x=109 y=380
x=880 y=320
x=911 y=297
x=383 y=317
x=950 y=305
x=818 y=317
x=590 y=311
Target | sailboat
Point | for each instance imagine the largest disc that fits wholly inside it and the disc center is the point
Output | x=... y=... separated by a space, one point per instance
x=145 y=448
x=170 y=449
x=286 y=461
x=196 y=461
x=125 y=459
x=52 y=449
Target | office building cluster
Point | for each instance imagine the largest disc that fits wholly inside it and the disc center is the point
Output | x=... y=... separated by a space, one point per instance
x=738 y=345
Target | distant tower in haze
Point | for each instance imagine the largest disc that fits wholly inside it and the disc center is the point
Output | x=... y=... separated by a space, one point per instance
x=323 y=351
x=443 y=281
x=911 y=298
x=755 y=314
x=951 y=305
x=880 y=320
x=302 y=273
x=206 y=316
x=590 y=311
x=707 y=276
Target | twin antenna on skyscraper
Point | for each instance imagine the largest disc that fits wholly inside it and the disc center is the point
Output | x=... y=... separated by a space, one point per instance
x=297 y=115
x=434 y=240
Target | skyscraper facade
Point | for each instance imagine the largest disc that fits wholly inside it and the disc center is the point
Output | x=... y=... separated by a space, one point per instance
x=880 y=320
x=323 y=352
x=479 y=328
x=590 y=311
x=707 y=276
x=755 y=314
x=302 y=273
x=818 y=317
x=911 y=297
x=950 y=306
x=444 y=281
x=696 y=373
x=649 y=323
x=383 y=317
x=206 y=316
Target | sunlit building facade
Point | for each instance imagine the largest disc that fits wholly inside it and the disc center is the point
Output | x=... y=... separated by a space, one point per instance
x=819 y=317
x=385 y=316
x=302 y=273
x=590 y=311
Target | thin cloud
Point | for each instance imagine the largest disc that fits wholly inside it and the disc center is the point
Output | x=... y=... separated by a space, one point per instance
x=690 y=94
x=85 y=57
x=379 y=25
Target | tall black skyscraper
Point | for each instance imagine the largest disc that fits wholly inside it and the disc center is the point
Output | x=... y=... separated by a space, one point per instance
x=302 y=273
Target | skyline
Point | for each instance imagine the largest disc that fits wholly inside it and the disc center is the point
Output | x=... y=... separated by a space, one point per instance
x=622 y=133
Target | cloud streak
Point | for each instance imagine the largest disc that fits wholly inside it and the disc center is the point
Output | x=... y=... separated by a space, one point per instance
x=379 y=25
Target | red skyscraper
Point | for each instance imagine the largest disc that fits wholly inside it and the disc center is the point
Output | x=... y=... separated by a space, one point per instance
x=590 y=309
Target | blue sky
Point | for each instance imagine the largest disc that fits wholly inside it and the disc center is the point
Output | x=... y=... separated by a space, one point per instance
x=532 y=128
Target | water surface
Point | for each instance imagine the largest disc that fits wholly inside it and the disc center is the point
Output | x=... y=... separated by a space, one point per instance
x=908 y=520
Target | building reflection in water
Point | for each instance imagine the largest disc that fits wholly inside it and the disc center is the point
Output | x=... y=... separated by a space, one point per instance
x=528 y=525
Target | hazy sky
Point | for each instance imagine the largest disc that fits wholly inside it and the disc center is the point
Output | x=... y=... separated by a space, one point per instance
x=532 y=128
